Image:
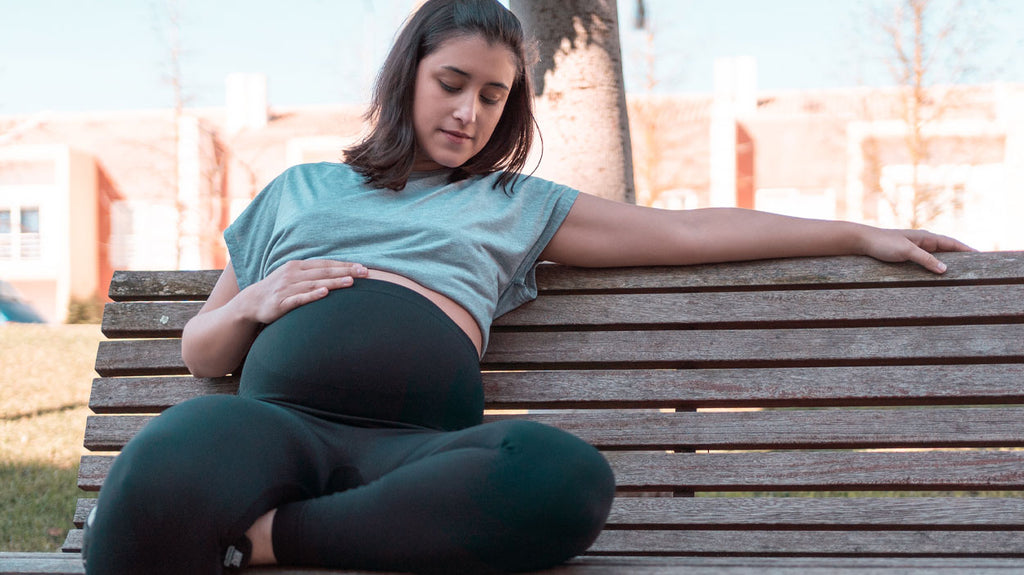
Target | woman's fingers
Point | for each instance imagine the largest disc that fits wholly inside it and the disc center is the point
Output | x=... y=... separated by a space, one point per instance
x=299 y=282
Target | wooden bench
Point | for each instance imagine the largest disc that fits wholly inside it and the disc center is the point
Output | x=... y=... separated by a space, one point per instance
x=744 y=400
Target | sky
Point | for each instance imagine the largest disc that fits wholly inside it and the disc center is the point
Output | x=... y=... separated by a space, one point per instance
x=83 y=55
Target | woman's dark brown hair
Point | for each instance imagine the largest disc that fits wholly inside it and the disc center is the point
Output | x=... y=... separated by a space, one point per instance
x=385 y=156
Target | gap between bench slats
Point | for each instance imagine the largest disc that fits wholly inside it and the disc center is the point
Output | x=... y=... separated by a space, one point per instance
x=647 y=388
x=990 y=470
x=711 y=348
x=814 y=429
x=796 y=308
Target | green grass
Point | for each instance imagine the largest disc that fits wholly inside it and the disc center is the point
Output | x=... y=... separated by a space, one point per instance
x=44 y=391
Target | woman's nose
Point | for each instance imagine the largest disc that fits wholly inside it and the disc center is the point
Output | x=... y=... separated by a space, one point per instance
x=465 y=110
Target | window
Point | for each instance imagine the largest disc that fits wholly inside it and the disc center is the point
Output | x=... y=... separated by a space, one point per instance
x=19 y=234
x=31 y=248
x=6 y=241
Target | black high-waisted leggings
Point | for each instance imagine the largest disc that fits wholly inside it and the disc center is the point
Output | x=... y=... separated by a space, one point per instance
x=358 y=418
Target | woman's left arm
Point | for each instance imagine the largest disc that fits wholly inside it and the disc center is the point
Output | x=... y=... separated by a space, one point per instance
x=606 y=233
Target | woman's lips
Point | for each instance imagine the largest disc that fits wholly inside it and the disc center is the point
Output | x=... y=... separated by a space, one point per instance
x=456 y=136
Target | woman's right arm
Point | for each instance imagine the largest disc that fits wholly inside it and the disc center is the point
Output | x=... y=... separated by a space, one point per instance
x=215 y=341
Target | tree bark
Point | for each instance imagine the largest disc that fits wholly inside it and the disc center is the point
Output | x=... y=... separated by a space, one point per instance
x=581 y=100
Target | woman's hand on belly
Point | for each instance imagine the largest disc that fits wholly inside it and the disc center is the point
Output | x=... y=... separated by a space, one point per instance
x=297 y=283
x=218 y=337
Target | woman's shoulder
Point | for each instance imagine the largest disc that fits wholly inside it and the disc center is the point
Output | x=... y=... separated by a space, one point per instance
x=336 y=169
x=525 y=184
x=303 y=178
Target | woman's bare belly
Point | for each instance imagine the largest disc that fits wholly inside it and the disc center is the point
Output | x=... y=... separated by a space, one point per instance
x=453 y=310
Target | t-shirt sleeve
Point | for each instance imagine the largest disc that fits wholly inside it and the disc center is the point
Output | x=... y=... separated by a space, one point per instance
x=553 y=211
x=249 y=238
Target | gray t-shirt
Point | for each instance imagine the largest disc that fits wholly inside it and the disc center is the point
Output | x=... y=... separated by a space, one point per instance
x=467 y=240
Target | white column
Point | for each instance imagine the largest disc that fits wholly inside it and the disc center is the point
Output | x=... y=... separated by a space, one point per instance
x=735 y=96
x=189 y=183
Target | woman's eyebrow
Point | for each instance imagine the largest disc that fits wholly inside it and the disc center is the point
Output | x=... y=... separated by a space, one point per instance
x=468 y=75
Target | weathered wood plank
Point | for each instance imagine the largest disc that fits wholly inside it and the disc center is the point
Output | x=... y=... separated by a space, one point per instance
x=153 y=394
x=980 y=470
x=810 y=543
x=814 y=429
x=70 y=563
x=976 y=267
x=722 y=348
x=817 y=513
x=162 y=285
x=710 y=348
x=147 y=319
x=789 y=429
x=780 y=308
x=140 y=357
x=967 y=267
x=758 y=387
x=41 y=564
x=808 y=513
x=777 y=471
x=792 y=308
x=654 y=388
x=804 y=543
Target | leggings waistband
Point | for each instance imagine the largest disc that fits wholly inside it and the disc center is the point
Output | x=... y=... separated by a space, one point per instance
x=415 y=298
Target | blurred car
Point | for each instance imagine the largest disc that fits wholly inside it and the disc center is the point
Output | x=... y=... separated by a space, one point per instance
x=14 y=308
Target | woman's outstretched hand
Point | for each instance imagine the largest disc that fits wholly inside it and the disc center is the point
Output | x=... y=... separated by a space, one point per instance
x=910 y=245
x=297 y=283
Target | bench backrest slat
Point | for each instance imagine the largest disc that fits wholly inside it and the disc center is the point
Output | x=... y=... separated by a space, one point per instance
x=771 y=429
x=659 y=388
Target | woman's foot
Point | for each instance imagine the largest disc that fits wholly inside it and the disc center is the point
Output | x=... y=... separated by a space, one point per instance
x=261 y=536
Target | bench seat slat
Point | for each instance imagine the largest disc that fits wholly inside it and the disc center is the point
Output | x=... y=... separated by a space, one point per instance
x=782 y=542
x=934 y=305
x=71 y=564
x=712 y=348
x=637 y=388
x=777 y=471
x=809 y=543
x=808 y=513
x=815 y=429
x=836 y=471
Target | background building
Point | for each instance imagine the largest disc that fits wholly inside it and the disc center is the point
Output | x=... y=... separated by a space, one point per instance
x=82 y=194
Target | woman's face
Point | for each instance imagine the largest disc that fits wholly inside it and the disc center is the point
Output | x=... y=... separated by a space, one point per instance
x=461 y=90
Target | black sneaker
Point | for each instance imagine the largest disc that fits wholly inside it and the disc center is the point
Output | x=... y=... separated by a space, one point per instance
x=87 y=535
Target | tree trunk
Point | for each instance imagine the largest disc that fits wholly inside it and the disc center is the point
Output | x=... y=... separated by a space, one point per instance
x=581 y=101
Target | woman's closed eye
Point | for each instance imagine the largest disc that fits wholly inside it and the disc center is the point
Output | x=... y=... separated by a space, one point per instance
x=489 y=100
